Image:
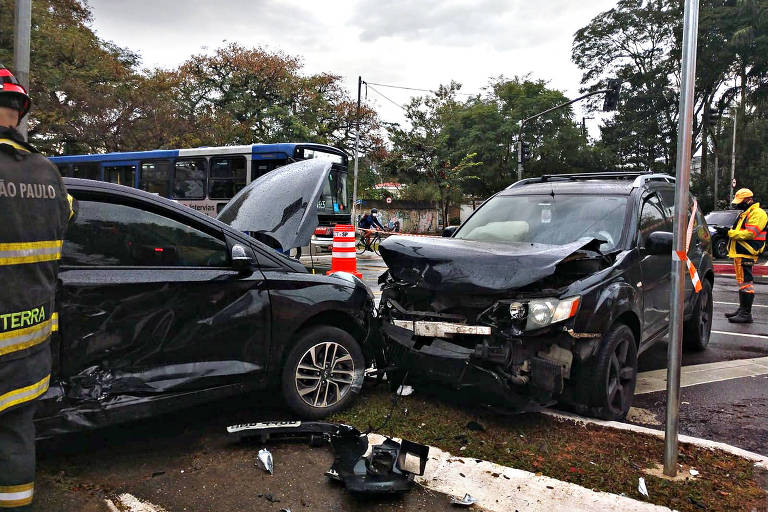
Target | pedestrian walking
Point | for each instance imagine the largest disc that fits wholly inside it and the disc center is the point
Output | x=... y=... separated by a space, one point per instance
x=34 y=211
x=746 y=240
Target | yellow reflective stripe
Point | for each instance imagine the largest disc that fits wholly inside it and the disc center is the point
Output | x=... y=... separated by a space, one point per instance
x=30 y=252
x=16 y=495
x=14 y=144
x=20 y=339
x=24 y=394
x=71 y=201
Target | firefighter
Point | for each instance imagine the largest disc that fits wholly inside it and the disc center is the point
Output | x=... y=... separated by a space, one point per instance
x=746 y=242
x=35 y=209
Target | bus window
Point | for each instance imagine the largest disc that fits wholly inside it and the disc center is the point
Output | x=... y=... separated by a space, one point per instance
x=262 y=167
x=227 y=177
x=65 y=170
x=189 y=179
x=155 y=177
x=88 y=171
x=120 y=174
x=334 y=197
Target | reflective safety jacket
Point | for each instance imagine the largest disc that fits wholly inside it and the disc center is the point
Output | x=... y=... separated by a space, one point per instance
x=747 y=238
x=34 y=211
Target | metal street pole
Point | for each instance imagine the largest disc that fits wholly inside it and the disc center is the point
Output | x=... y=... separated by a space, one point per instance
x=733 y=152
x=520 y=152
x=683 y=163
x=357 y=142
x=21 y=39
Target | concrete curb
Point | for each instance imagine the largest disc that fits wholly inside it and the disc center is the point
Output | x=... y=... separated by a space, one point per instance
x=514 y=489
x=760 y=461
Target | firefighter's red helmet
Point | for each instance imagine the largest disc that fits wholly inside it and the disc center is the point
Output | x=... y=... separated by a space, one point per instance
x=12 y=94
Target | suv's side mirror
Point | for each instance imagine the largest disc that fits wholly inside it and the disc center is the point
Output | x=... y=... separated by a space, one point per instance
x=240 y=259
x=449 y=231
x=659 y=243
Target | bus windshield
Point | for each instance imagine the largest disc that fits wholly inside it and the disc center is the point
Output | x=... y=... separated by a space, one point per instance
x=334 y=198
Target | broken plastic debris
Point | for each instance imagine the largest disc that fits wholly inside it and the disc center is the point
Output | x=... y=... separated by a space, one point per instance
x=265 y=461
x=405 y=390
x=462 y=448
x=693 y=472
x=466 y=501
x=641 y=488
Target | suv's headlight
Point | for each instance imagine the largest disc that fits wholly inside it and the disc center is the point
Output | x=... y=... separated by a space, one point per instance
x=542 y=312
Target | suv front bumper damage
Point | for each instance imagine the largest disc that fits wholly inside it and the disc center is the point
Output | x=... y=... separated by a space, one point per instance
x=524 y=371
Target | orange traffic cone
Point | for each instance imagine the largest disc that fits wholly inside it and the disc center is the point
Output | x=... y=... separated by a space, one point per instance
x=343 y=257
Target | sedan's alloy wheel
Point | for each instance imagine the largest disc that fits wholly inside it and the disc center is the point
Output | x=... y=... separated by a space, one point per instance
x=325 y=374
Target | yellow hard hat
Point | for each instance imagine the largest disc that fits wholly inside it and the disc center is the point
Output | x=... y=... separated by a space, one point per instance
x=741 y=195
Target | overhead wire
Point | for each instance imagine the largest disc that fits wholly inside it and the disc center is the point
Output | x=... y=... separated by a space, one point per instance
x=414 y=88
x=368 y=86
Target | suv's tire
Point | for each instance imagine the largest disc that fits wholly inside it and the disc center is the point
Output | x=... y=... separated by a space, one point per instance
x=310 y=361
x=697 y=329
x=615 y=374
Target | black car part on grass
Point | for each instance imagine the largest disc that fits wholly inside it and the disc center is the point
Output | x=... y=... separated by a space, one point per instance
x=388 y=467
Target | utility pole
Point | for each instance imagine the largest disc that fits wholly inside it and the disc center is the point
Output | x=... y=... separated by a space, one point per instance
x=21 y=39
x=520 y=151
x=733 y=152
x=353 y=220
x=682 y=183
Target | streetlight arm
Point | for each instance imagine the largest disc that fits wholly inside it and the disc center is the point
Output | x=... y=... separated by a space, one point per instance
x=601 y=91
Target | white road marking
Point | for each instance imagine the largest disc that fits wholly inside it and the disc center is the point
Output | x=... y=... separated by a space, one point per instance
x=656 y=380
x=742 y=334
x=736 y=304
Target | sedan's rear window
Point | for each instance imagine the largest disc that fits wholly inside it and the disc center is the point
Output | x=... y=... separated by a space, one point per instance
x=553 y=220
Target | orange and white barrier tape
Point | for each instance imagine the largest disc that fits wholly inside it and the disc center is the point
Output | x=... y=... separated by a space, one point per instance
x=683 y=255
x=393 y=233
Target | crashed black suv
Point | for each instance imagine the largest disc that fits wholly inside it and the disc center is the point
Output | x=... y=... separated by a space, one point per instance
x=547 y=293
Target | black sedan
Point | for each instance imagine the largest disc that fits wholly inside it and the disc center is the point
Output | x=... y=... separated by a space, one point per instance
x=161 y=307
x=719 y=222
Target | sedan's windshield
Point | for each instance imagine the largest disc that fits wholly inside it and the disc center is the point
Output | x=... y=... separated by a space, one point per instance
x=557 y=220
x=721 y=218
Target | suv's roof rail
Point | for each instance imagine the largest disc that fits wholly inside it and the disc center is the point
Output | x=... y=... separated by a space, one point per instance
x=640 y=177
x=641 y=180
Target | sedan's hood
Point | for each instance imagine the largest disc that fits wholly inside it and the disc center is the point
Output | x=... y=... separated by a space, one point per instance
x=281 y=205
x=453 y=265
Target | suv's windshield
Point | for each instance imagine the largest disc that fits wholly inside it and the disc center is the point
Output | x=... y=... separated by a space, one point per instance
x=557 y=220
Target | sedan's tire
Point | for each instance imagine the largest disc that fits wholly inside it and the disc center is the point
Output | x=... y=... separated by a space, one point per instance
x=323 y=372
x=615 y=374
x=697 y=329
x=720 y=247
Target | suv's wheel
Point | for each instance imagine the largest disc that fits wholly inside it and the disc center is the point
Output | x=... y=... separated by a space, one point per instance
x=697 y=329
x=323 y=372
x=615 y=374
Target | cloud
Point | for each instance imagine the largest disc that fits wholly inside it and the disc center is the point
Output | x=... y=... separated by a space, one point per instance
x=498 y=24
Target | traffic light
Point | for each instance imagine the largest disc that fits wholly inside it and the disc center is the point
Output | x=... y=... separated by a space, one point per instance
x=611 y=101
x=525 y=151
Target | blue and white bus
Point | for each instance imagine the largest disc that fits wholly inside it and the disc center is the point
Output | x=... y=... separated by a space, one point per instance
x=206 y=178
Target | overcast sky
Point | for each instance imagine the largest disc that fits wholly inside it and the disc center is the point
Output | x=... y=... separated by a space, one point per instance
x=415 y=43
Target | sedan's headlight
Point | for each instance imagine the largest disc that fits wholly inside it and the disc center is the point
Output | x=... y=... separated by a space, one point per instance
x=543 y=312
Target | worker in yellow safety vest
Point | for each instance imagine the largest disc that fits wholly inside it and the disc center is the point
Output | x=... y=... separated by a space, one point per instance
x=34 y=211
x=746 y=242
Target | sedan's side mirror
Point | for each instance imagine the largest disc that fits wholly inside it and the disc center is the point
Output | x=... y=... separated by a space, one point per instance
x=240 y=259
x=659 y=243
x=449 y=231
